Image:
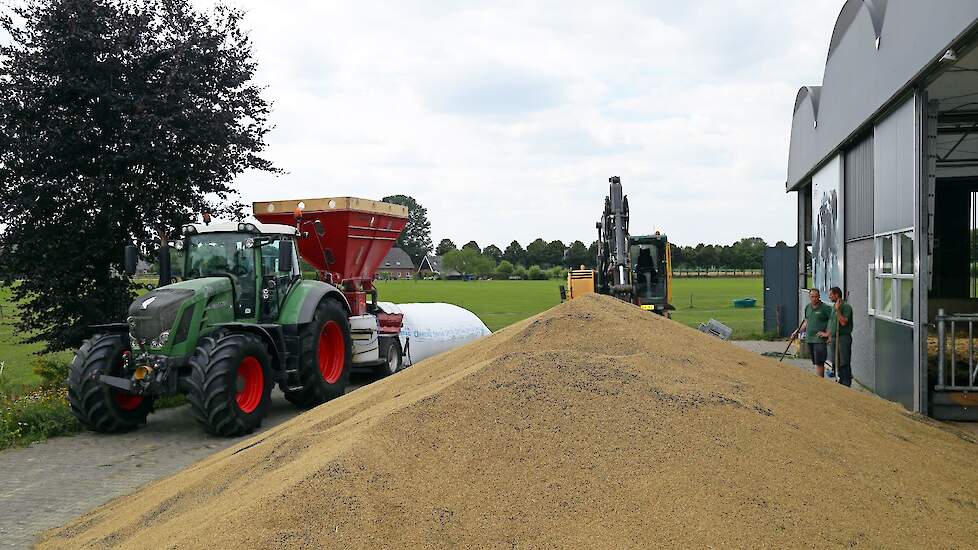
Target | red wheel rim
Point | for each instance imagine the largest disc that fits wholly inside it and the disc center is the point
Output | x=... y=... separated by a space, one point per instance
x=251 y=384
x=332 y=352
x=126 y=401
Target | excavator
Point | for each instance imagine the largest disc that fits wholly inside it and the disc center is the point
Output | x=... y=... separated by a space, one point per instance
x=635 y=269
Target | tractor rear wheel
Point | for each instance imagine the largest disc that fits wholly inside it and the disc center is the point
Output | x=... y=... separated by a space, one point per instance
x=325 y=358
x=230 y=383
x=97 y=406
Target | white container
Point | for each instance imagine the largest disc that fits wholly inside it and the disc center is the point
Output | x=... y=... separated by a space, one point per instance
x=430 y=329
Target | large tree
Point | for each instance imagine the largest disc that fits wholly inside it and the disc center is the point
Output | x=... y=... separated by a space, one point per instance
x=119 y=119
x=445 y=246
x=492 y=251
x=416 y=237
x=515 y=254
x=468 y=262
x=537 y=252
x=472 y=245
x=576 y=255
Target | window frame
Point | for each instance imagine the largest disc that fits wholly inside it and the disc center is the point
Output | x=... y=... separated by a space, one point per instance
x=878 y=278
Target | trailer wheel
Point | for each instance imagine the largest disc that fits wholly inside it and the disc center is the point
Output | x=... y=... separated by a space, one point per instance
x=393 y=359
x=230 y=383
x=325 y=358
x=99 y=407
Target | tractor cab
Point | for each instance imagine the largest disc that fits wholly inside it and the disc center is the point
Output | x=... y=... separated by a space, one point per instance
x=259 y=261
x=651 y=265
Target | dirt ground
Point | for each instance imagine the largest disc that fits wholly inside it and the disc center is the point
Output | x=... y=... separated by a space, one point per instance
x=594 y=425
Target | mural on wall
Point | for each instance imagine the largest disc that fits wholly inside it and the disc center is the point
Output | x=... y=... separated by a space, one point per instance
x=828 y=239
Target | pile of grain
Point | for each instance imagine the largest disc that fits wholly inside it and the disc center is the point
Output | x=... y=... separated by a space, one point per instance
x=593 y=424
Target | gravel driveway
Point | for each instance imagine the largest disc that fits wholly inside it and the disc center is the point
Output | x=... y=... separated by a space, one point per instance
x=49 y=483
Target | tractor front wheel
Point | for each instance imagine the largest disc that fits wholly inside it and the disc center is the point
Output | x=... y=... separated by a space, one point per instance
x=230 y=383
x=97 y=406
x=326 y=356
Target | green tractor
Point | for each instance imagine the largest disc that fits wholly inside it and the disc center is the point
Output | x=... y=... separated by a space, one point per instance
x=239 y=320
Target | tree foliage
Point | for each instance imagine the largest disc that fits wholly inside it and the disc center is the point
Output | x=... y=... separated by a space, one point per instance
x=119 y=119
x=468 y=262
x=472 y=245
x=444 y=247
x=515 y=254
x=415 y=239
x=576 y=255
x=493 y=252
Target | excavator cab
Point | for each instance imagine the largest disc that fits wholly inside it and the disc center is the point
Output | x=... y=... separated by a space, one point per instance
x=651 y=272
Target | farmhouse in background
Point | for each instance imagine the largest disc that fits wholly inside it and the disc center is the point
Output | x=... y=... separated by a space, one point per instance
x=396 y=265
x=431 y=266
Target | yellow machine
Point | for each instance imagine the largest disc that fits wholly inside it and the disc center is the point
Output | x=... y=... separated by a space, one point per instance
x=579 y=283
x=651 y=272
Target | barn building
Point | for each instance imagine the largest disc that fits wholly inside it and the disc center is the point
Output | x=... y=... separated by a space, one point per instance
x=396 y=265
x=884 y=161
x=431 y=266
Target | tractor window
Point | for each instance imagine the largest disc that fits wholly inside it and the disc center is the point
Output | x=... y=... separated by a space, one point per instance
x=225 y=255
x=276 y=278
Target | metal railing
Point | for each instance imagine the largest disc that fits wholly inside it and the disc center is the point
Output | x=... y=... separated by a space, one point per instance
x=948 y=325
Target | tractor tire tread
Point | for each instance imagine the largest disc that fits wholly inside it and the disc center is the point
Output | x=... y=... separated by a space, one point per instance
x=210 y=404
x=87 y=397
x=314 y=391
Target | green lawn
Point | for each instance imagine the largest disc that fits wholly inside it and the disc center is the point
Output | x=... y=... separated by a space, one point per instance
x=713 y=299
x=17 y=358
x=500 y=303
x=497 y=303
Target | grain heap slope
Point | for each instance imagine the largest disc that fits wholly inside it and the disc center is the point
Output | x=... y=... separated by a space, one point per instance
x=593 y=424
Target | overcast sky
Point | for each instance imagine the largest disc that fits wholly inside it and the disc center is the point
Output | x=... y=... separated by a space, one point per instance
x=506 y=119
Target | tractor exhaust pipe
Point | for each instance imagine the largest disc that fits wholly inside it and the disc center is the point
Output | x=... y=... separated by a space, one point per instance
x=165 y=273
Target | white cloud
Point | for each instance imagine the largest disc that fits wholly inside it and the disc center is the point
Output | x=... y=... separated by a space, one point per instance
x=505 y=119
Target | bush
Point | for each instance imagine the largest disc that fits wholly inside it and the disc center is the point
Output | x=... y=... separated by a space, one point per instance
x=35 y=416
x=535 y=273
x=53 y=372
x=557 y=273
x=519 y=271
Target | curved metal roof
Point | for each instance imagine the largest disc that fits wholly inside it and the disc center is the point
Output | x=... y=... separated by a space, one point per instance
x=878 y=48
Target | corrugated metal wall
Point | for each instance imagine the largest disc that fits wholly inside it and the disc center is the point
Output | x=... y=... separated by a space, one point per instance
x=858 y=205
x=894 y=144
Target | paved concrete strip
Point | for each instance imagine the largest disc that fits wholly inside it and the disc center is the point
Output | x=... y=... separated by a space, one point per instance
x=49 y=483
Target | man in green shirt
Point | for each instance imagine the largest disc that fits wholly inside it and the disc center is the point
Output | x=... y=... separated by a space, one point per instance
x=840 y=335
x=815 y=327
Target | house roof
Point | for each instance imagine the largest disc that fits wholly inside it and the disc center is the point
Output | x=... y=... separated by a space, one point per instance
x=434 y=265
x=397 y=259
x=878 y=51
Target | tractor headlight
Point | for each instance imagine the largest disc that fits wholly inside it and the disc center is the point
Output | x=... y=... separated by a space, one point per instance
x=249 y=243
x=160 y=340
x=178 y=245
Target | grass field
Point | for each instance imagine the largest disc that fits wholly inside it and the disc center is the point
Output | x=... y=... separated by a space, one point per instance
x=497 y=303
x=18 y=359
x=500 y=303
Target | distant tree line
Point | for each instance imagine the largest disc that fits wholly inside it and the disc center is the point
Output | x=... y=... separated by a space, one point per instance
x=553 y=256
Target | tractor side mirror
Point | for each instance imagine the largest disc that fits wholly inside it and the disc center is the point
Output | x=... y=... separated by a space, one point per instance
x=284 y=255
x=318 y=226
x=131 y=257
